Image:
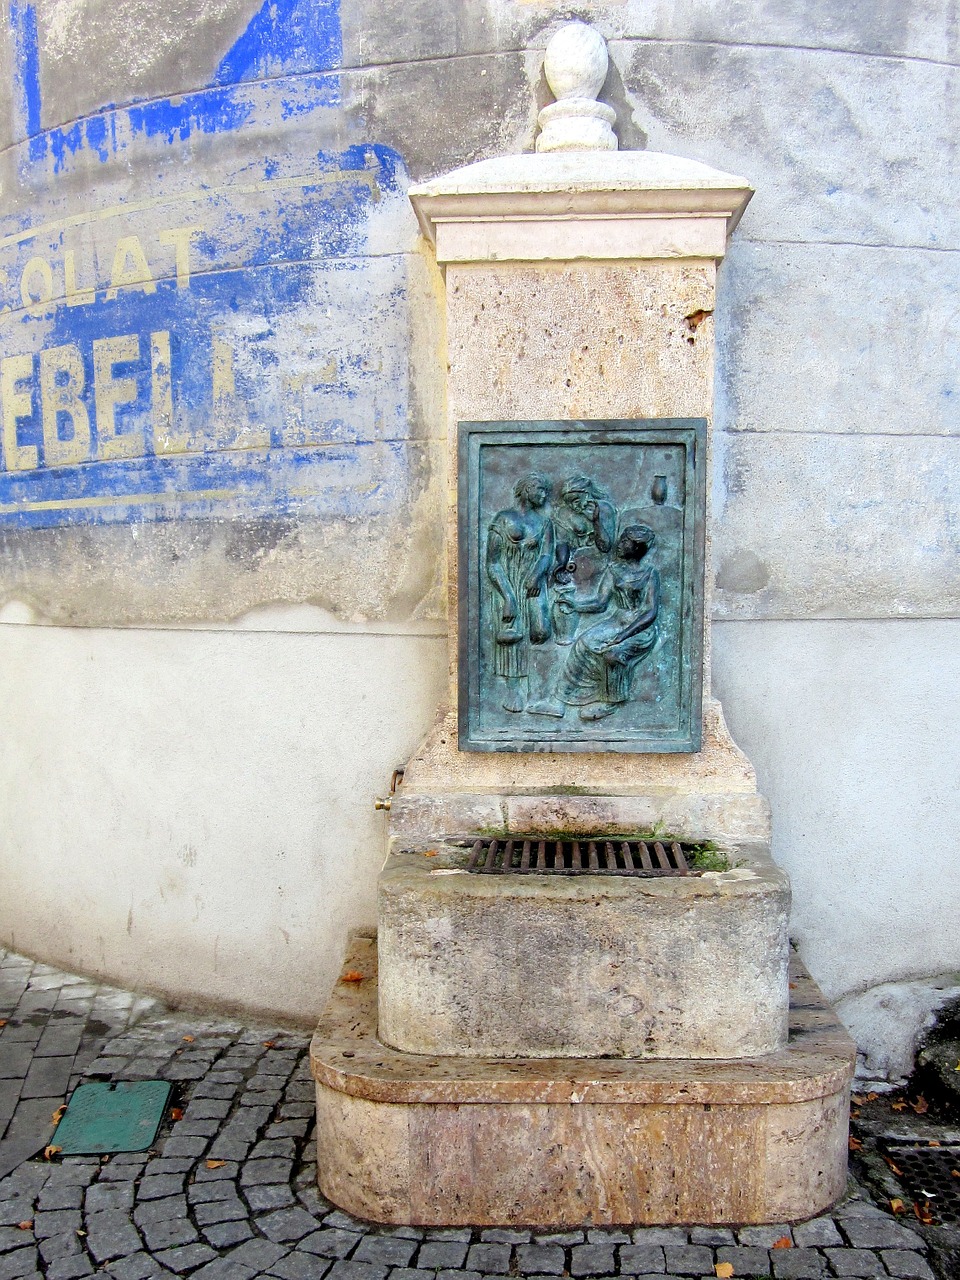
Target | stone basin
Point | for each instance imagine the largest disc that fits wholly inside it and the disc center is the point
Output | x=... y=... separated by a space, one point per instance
x=585 y=966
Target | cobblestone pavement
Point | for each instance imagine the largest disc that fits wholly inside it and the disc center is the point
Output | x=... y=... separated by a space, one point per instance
x=228 y=1192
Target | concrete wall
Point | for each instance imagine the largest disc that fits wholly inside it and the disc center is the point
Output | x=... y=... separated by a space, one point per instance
x=220 y=543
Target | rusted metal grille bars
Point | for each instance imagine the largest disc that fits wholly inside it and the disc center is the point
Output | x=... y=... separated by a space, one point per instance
x=601 y=856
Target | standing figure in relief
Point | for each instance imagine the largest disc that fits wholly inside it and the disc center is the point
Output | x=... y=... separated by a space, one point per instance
x=520 y=556
x=598 y=674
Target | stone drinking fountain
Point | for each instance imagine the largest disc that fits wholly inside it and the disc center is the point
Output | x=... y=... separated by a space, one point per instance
x=580 y=1004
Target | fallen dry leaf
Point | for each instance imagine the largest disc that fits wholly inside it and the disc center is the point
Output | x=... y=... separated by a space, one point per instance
x=854 y=1144
x=352 y=975
x=900 y=1105
x=268 y=1044
x=858 y=1098
x=215 y=1164
x=923 y=1213
x=26 y=1225
x=921 y=1106
x=933 y=1143
x=58 y=1114
x=51 y=1151
x=189 y=1039
x=872 y=1097
x=431 y=853
x=3 y=1023
x=176 y=1113
x=898 y=1172
x=723 y=1269
x=955 y=1173
x=783 y=1243
x=896 y=1205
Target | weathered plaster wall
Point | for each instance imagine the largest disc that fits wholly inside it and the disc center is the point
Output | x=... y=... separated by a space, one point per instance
x=192 y=810
x=237 y=438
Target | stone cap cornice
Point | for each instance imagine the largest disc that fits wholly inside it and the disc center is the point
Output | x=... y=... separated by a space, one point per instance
x=621 y=204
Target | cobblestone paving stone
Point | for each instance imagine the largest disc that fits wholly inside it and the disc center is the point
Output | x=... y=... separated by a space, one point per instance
x=228 y=1192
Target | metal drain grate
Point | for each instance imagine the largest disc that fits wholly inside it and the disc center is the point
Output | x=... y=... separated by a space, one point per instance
x=931 y=1176
x=600 y=856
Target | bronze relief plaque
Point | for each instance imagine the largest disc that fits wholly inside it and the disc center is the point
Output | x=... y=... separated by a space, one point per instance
x=581 y=585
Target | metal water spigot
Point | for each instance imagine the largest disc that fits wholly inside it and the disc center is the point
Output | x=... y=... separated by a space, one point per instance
x=384 y=802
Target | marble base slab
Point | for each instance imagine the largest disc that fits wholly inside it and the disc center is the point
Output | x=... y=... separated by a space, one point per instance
x=409 y=1138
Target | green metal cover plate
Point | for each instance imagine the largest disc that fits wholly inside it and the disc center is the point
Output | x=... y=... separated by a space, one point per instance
x=118 y=1116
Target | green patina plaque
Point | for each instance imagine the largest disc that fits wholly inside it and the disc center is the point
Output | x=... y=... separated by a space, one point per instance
x=102 y=1117
x=581 y=585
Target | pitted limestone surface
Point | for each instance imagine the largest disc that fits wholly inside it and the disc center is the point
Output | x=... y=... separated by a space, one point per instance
x=228 y=1191
x=638 y=967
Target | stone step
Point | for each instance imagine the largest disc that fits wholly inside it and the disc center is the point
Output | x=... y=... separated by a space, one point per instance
x=560 y=1142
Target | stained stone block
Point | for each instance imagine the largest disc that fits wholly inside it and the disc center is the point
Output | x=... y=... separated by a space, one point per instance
x=882 y=543
x=586 y=966
x=851 y=308
x=410 y=1138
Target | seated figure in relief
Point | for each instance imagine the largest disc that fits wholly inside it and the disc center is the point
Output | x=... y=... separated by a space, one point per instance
x=598 y=673
x=519 y=559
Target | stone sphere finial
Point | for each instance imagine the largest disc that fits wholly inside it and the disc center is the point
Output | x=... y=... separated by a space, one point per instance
x=576 y=61
x=575 y=64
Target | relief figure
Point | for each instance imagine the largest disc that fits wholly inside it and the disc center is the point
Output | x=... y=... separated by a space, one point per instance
x=519 y=558
x=585 y=521
x=598 y=673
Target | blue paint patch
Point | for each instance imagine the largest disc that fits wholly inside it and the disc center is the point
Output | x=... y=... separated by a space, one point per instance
x=255 y=362
x=280 y=346
x=208 y=112
x=324 y=215
x=98 y=137
x=26 y=89
x=166 y=122
x=269 y=376
x=338 y=481
x=285 y=37
x=63 y=142
x=286 y=40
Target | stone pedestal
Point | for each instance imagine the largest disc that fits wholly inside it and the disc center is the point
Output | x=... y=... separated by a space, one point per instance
x=567 y=1051
x=580 y=286
x=708 y=795
x=409 y=1138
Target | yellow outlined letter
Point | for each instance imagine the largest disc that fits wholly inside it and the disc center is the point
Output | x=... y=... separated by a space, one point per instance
x=180 y=238
x=17 y=403
x=130 y=268
x=38 y=269
x=75 y=297
x=109 y=392
x=166 y=439
x=63 y=396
